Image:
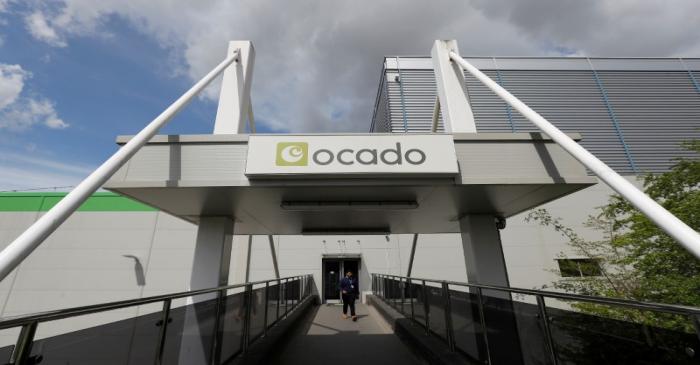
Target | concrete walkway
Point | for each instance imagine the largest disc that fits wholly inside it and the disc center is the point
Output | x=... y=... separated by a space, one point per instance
x=326 y=338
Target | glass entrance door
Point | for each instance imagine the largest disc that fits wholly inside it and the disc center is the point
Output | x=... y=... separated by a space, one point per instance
x=334 y=269
x=331 y=280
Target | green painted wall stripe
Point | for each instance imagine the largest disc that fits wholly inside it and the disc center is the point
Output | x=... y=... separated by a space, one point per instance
x=42 y=202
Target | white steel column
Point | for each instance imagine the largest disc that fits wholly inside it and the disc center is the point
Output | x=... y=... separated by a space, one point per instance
x=454 y=103
x=273 y=252
x=212 y=254
x=483 y=253
x=210 y=268
x=234 y=101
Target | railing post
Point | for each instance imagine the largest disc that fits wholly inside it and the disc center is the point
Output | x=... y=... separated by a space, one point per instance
x=267 y=288
x=696 y=323
x=402 y=287
x=246 y=321
x=426 y=308
x=23 y=348
x=547 y=331
x=482 y=319
x=218 y=327
x=279 y=295
x=410 y=292
x=164 y=318
x=448 y=316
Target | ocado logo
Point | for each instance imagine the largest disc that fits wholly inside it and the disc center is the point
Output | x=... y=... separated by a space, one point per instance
x=292 y=154
x=297 y=154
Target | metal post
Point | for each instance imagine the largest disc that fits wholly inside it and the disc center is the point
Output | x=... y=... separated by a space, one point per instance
x=681 y=232
x=164 y=318
x=696 y=323
x=547 y=331
x=436 y=115
x=23 y=348
x=218 y=328
x=273 y=252
x=279 y=294
x=286 y=297
x=426 y=308
x=413 y=255
x=448 y=316
x=246 y=321
x=402 y=287
x=410 y=291
x=482 y=318
x=31 y=238
x=267 y=288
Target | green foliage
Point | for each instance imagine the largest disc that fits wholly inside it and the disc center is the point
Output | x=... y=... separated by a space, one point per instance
x=638 y=260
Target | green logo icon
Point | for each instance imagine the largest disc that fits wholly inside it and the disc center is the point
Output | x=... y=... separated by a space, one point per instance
x=292 y=154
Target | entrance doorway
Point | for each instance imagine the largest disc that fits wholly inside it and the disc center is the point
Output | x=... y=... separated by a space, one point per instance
x=334 y=269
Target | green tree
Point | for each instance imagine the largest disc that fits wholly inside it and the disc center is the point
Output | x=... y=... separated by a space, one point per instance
x=637 y=259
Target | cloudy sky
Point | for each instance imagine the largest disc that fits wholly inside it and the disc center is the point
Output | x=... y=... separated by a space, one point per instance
x=76 y=73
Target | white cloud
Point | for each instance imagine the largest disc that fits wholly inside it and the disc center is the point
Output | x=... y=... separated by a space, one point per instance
x=11 y=83
x=19 y=112
x=41 y=30
x=22 y=172
x=315 y=57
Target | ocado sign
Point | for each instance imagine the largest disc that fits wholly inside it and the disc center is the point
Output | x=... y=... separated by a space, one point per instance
x=351 y=154
x=297 y=154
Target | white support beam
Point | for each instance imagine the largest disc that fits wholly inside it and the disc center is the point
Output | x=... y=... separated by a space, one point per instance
x=413 y=255
x=273 y=252
x=674 y=227
x=234 y=101
x=30 y=239
x=456 y=111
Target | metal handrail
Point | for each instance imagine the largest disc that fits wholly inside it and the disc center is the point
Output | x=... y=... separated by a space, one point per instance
x=103 y=307
x=666 y=308
x=380 y=289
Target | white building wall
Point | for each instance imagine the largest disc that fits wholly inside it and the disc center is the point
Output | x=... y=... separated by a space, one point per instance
x=83 y=263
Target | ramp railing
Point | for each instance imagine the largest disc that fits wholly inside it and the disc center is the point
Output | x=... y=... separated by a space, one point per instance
x=220 y=325
x=540 y=327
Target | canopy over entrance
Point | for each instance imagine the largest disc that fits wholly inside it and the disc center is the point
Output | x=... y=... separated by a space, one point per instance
x=351 y=183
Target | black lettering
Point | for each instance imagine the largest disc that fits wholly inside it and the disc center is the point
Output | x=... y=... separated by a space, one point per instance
x=327 y=152
x=414 y=151
x=397 y=152
x=373 y=153
x=340 y=157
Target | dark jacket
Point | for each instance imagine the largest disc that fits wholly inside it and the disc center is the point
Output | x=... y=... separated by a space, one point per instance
x=349 y=285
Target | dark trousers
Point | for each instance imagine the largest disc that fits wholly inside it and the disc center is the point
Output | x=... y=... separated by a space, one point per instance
x=349 y=300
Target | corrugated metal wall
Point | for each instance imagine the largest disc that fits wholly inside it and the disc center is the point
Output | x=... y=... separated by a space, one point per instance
x=634 y=120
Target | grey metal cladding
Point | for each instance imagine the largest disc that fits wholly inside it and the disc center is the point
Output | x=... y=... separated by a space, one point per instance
x=574 y=103
x=655 y=110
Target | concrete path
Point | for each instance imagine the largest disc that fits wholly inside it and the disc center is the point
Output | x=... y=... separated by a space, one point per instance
x=326 y=338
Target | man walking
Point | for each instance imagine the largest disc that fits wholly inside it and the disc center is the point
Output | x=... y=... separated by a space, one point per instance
x=349 y=288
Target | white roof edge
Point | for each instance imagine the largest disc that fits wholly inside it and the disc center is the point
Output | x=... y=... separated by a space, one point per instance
x=555 y=63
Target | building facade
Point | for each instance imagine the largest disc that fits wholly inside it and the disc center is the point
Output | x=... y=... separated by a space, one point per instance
x=632 y=113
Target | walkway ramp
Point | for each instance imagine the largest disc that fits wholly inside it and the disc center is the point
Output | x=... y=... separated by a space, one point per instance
x=326 y=338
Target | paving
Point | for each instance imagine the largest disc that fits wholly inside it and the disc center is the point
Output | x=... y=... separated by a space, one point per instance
x=326 y=338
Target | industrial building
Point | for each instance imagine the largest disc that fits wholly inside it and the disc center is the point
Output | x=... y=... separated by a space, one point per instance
x=141 y=239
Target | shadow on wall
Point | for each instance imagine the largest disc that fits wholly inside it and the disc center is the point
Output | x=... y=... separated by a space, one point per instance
x=138 y=270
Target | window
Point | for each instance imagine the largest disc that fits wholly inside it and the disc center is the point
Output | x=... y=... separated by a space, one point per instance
x=575 y=268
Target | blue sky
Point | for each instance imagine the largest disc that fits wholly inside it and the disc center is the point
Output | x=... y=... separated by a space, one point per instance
x=102 y=87
x=74 y=74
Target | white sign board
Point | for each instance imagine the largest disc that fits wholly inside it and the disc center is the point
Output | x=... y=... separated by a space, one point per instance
x=342 y=155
